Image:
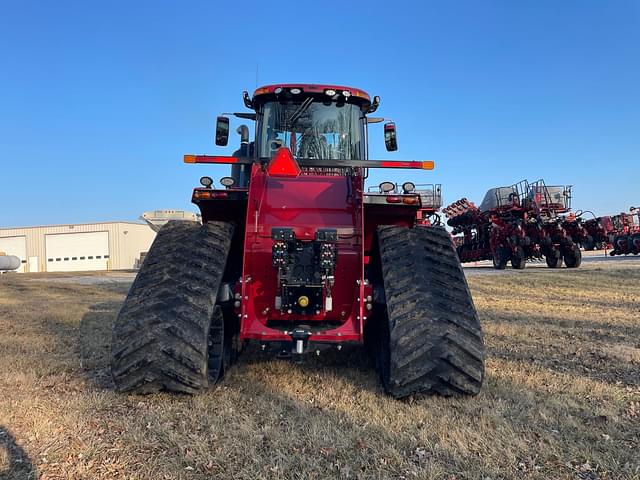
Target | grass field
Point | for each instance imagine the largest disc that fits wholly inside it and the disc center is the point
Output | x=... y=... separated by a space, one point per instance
x=561 y=397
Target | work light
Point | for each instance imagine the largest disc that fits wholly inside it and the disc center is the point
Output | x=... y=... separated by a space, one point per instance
x=206 y=182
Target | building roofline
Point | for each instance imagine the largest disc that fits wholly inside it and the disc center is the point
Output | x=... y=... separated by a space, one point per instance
x=73 y=224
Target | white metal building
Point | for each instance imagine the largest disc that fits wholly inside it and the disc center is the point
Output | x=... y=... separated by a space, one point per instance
x=73 y=248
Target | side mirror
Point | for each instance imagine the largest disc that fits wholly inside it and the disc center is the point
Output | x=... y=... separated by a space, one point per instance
x=390 y=138
x=222 y=131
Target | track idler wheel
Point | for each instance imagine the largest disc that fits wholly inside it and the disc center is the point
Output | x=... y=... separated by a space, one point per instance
x=216 y=361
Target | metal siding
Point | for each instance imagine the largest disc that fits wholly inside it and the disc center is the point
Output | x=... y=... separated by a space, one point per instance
x=123 y=252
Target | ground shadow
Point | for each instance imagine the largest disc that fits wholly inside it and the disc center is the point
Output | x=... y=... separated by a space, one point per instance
x=94 y=345
x=583 y=347
x=94 y=342
x=17 y=466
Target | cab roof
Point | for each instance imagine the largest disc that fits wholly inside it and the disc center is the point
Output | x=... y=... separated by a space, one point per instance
x=312 y=88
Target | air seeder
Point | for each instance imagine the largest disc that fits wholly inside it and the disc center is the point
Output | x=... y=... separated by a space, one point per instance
x=515 y=223
x=296 y=256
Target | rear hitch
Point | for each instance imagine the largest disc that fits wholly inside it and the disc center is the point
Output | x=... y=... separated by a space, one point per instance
x=300 y=337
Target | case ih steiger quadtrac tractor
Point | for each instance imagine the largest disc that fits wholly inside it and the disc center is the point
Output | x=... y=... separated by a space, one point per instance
x=295 y=255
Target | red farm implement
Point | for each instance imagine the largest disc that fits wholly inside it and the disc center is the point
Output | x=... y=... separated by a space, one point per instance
x=625 y=238
x=591 y=234
x=295 y=256
x=514 y=224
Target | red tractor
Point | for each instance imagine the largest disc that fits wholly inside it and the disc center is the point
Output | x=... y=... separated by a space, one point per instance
x=295 y=256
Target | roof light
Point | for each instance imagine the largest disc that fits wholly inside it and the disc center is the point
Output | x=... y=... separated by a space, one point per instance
x=330 y=92
x=278 y=91
x=346 y=93
x=386 y=187
x=283 y=164
x=408 y=187
x=296 y=91
x=206 y=182
x=394 y=199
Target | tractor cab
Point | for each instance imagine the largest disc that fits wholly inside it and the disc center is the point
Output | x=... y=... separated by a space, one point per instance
x=321 y=122
x=325 y=122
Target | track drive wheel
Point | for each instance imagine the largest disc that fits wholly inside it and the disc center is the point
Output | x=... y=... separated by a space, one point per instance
x=500 y=258
x=518 y=258
x=554 y=259
x=573 y=257
x=169 y=334
x=430 y=339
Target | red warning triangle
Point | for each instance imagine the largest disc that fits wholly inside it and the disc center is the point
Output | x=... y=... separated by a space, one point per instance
x=283 y=164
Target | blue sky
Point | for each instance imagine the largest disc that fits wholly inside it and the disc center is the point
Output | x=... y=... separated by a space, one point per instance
x=100 y=100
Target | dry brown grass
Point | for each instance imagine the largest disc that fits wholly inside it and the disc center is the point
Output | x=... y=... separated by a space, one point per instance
x=561 y=398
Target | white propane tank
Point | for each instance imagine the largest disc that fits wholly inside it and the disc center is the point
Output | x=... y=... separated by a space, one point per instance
x=9 y=262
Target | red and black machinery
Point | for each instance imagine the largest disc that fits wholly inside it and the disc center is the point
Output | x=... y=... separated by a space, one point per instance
x=513 y=224
x=620 y=233
x=625 y=238
x=296 y=256
x=591 y=234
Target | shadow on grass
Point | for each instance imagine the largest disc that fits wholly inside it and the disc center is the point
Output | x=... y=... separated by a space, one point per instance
x=18 y=466
x=256 y=426
x=94 y=344
x=582 y=347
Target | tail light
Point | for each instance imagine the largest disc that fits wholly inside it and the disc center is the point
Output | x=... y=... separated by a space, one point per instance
x=209 y=194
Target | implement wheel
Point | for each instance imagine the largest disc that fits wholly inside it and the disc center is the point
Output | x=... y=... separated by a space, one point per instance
x=573 y=257
x=589 y=244
x=430 y=339
x=518 y=258
x=554 y=259
x=169 y=334
x=500 y=258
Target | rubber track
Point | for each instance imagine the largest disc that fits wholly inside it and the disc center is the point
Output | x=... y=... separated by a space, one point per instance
x=160 y=338
x=435 y=338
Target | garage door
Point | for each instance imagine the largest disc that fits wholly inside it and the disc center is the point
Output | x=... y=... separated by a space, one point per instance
x=15 y=246
x=74 y=252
